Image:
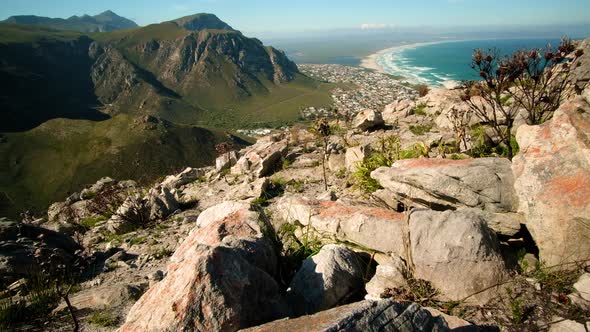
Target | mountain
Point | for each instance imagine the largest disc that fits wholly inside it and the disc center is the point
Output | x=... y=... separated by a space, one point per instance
x=202 y=21
x=70 y=101
x=104 y=22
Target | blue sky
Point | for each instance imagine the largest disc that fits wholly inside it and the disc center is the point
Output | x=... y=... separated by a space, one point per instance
x=263 y=16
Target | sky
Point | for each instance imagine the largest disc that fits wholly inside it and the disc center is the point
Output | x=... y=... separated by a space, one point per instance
x=283 y=17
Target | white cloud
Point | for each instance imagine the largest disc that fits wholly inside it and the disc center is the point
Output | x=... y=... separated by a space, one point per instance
x=374 y=26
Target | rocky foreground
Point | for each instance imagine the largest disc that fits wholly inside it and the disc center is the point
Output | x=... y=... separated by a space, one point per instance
x=437 y=241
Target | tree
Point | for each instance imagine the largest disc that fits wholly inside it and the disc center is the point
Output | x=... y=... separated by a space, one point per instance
x=225 y=148
x=460 y=119
x=323 y=131
x=543 y=78
x=525 y=80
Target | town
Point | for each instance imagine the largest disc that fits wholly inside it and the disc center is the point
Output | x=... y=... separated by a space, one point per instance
x=360 y=89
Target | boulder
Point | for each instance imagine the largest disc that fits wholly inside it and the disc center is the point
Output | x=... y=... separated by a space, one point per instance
x=370 y=316
x=20 y=242
x=226 y=161
x=566 y=325
x=99 y=186
x=262 y=158
x=337 y=162
x=457 y=253
x=375 y=228
x=443 y=184
x=185 y=177
x=330 y=278
x=219 y=212
x=581 y=295
x=249 y=189
x=392 y=113
x=103 y=297
x=217 y=280
x=356 y=155
x=390 y=274
x=580 y=74
x=552 y=172
x=161 y=203
x=368 y=119
x=456 y=323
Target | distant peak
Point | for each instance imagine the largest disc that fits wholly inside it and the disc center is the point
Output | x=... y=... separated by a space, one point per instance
x=202 y=21
x=109 y=13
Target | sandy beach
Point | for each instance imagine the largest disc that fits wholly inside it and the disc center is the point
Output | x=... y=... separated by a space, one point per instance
x=371 y=61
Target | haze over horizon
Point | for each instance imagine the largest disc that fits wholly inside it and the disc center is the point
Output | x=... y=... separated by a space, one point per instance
x=281 y=19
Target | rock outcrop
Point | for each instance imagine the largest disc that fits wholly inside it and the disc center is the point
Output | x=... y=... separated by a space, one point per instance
x=370 y=316
x=581 y=294
x=330 y=278
x=219 y=279
x=391 y=273
x=24 y=247
x=368 y=119
x=375 y=228
x=442 y=184
x=262 y=158
x=552 y=184
x=356 y=155
x=447 y=244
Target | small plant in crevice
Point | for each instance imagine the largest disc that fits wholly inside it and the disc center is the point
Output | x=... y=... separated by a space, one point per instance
x=420 y=109
x=416 y=290
x=298 y=243
x=103 y=319
x=276 y=188
x=388 y=151
x=420 y=130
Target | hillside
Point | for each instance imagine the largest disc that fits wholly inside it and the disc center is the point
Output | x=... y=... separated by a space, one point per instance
x=64 y=89
x=204 y=77
x=62 y=156
x=103 y=22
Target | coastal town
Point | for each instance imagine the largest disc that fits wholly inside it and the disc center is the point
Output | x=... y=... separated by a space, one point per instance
x=360 y=89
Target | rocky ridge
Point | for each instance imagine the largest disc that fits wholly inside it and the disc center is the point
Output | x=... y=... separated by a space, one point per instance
x=258 y=238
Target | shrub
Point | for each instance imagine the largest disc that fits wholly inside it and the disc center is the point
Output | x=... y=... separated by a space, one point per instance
x=420 y=109
x=422 y=89
x=531 y=79
x=420 y=130
x=387 y=153
x=103 y=319
x=90 y=222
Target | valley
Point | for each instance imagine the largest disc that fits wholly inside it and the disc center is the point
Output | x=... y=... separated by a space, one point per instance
x=72 y=100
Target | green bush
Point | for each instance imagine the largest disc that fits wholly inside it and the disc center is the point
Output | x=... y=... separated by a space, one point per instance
x=420 y=110
x=103 y=319
x=387 y=153
x=90 y=222
x=420 y=130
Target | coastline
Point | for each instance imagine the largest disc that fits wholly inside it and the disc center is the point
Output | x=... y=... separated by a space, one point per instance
x=371 y=61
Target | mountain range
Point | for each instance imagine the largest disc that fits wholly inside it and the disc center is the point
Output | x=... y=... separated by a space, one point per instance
x=103 y=22
x=72 y=101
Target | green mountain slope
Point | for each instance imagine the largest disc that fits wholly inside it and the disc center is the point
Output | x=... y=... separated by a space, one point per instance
x=106 y=21
x=71 y=102
x=61 y=156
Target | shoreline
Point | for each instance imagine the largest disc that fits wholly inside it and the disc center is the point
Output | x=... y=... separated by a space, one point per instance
x=370 y=61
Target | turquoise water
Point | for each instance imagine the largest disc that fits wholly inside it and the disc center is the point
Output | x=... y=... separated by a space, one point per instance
x=447 y=61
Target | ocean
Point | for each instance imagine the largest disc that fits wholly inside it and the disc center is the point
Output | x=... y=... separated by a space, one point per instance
x=435 y=63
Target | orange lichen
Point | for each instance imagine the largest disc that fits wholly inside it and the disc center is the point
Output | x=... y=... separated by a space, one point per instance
x=426 y=162
x=569 y=190
x=333 y=209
